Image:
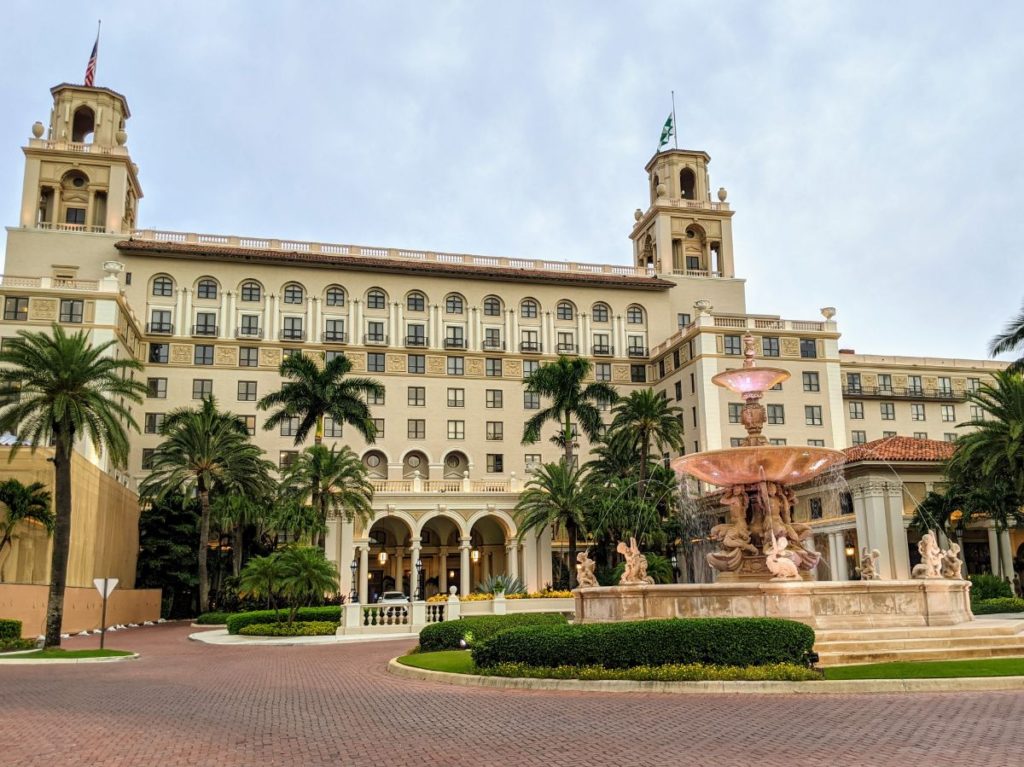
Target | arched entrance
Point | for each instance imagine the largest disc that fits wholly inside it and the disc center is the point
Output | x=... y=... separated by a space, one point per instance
x=493 y=548
x=385 y=565
x=439 y=552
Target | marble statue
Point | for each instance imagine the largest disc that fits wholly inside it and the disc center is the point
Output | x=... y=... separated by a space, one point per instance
x=869 y=564
x=585 y=577
x=952 y=565
x=931 y=558
x=779 y=563
x=635 y=572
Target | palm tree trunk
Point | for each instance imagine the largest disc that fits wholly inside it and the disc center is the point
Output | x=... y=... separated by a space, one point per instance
x=204 y=539
x=570 y=529
x=61 y=538
x=236 y=551
x=567 y=434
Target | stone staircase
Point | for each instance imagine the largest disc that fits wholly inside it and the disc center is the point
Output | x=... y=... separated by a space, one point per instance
x=981 y=638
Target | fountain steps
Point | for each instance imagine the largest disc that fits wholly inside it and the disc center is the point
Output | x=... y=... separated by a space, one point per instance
x=982 y=627
x=990 y=639
x=829 y=659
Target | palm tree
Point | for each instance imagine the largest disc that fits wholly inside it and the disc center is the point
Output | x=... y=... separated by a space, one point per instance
x=205 y=450
x=334 y=480
x=260 y=579
x=58 y=388
x=995 y=447
x=558 y=496
x=1011 y=340
x=233 y=513
x=25 y=503
x=307 y=576
x=645 y=420
x=562 y=382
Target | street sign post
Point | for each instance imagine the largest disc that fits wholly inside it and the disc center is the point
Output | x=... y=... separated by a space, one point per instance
x=106 y=587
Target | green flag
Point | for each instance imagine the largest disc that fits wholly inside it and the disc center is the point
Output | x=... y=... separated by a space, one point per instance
x=666 y=132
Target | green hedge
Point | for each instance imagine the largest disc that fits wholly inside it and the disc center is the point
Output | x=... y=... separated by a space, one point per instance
x=690 y=672
x=997 y=605
x=297 y=629
x=238 y=621
x=987 y=586
x=213 y=619
x=10 y=628
x=446 y=635
x=710 y=641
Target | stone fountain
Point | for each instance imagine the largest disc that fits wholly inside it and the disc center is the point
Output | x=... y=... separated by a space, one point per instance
x=764 y=561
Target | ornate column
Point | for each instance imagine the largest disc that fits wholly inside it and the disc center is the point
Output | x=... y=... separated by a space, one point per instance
x=897 y=531
x=432 y=327
x=512 y=559
x=364 y=570
x=316 y=328
x=833 y=556
x=399 y=568
x=228 y=326
x=398 y=339
x=1006 y=551
x=993 y=549
x=179 y=313
x=268 y=317
x=185 y=326
x=222 y=316
x=392 y=322
x=442 y=573
x=414 y=575
x=464 y=546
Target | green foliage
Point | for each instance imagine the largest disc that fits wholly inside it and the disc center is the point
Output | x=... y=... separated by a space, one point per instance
x=169 y=553
x=297 y=629
x=1011 y=340
x=986 y=586
x=506 y=584
x=672 y=672
x=260 y=578
x=711 y=641
x=997 y=605
x=11 y=645
x=25 y=504
x=213 y=619
x=306 y=576
x=447 y=634
x=658 y=567
x=10 y=628
x=237 y=621
x=646 y=422
x=994 y=448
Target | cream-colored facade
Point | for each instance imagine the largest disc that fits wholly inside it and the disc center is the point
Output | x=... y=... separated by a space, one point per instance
x=451 y=337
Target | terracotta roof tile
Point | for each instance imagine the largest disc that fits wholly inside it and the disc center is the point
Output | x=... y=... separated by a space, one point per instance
x=901 y=449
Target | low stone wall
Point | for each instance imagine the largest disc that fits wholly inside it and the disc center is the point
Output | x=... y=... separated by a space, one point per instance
x=27 y=603
x=821 y=604
x=511 y=606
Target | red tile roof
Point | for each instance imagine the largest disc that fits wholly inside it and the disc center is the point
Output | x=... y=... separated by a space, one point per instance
x=901 y=449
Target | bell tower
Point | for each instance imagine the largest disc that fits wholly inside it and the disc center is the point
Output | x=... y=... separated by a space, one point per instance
x=683 y=231
x=80 y=176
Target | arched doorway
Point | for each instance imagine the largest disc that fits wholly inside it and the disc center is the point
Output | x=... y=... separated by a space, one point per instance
x=493 y=549
x=439 y=552
x=387 y=559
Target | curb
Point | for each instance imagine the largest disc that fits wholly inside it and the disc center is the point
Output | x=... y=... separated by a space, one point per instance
x=329 y=640
x=66 y=661
x=823 y=687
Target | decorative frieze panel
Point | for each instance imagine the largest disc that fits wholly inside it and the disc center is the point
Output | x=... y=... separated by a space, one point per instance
x=358 y=361
x=270 y=357
x=396 y=363
x=435 y=364
x=225 y=356
x=181 y=354
x=513 y=368
x=620 y=373
x=42 y=309
x=790 y=347
x=474 y=366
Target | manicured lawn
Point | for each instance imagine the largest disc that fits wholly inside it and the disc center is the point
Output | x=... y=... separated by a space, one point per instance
x=56 y=652
x=452 y=661
x=930 y=669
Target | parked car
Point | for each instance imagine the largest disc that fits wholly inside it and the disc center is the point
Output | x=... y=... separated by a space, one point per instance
x=393 y=598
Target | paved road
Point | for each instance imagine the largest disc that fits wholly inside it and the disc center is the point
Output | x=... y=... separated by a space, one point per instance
x=185 y=703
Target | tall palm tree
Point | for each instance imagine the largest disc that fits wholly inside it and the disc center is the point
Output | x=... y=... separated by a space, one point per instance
x=59 y=388
x=558 y=496
x=205 y=450
x=233 y=513
x=306 y=576
x=995 y=446
x=334 y=480
x=1011 y=340
x=646 y=420
x=562 y=381
x=261 y=578
x=25 y=504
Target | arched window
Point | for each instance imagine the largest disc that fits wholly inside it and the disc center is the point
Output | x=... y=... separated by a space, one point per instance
x=163 y=286
x=83 y=125
x=529 y=309
x=454 y=303
x=376 y=299
x=687 y=184
x=492 y=306
x=416 y=302
x=335 y=296
x=565 y=311
x=251 y=291
x=600 y=313
x=635 y=315
x=294 y=294
x=206 y=288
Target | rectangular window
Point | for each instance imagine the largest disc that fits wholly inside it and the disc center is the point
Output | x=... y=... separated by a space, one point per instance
x=456 y=430
x=250 y=326
x=566 y=342
x=495 y=463
x=949 y=413
x=334 y=331
x=812 y=415
x=286 y=458
x=531 y=400
x=808 y=348
x=693 y=413
x=733 y=345
x=456 y=366
x=776 y=414
x=884 y=383
x=603 y=371
x=682 y=320
x=811 y=381
x=858 y=437
x=693 y=384
x=456 y=397
x=417 y=396
x=917 y=412
x=248 y=356
x=376 y=398
x=973 y=384
x=206 y=324
x=638 y=373
x=914 y=385
x=777 y=441
x=495 y=398
x=815 y=505
x=920 y=435
x=530 y=367
x=853 y=383
x=160 y=321
x=417 y=364
x=454 y=337
x=417 y=428
x=289 y=426
x=203 y=354
x=158 y=353
x=887 y=434
x=675 y=358
x=736 y=441
x=153 y=423
x=291 y=329
x=815 y=443
x=492 y=367
x=375 y=332
x=856 y=410
x=375 y=362
x=495 y=430
x=378 y=427
x=679 y=390
x=945 y=385
x=147 y=457
x=533 y=461
x=202 y=388
x=949 y=436
x=15 y=308
x=735 y=411
x=888 y=411
x=156 y=388
x=661 y=368
x=72 y=310
x=246 y=391
x=976 y=413
x=250 y=424
x=769 y=347
x=332 y=428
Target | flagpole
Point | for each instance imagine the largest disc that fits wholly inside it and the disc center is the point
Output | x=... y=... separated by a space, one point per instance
x=675 y=125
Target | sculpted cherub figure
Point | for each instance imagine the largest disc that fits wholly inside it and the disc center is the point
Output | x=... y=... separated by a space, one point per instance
x=931 y=558
x=585 y=577
x=951 y=566
x=635 y=572
x=778 y=563
x=869 y=564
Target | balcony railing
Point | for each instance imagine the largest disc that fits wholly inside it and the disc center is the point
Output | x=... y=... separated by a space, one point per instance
x=335 y=337
x=249 y=333
x=493 y=346
x=204 y=330
x=59 y=227
x=375 y=339
x=291 y=334
x=566 y=348
x=417 y=342
x=160 y=328
x=455 y=343
x=603 y=350
x=906 y=392
x=637 y=351
x=533 y=347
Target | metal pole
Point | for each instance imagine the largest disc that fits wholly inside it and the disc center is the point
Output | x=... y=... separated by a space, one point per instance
x=675 y=126
x=103 y=615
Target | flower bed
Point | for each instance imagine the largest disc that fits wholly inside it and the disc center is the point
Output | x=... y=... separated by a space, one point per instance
x=238 y=621
x=297 y=629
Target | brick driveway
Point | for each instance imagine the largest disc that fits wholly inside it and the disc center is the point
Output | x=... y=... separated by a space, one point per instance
x=185 y=703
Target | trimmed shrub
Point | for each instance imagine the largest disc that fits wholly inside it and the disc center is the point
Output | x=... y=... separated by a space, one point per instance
x=213 y=619
x=297 y=629
x=238 y=621
x=10 y=629
x=987 y=586
x=708 y=641
x=690 y=672
x=998 y=605
x=446 y=635
x=10 y=645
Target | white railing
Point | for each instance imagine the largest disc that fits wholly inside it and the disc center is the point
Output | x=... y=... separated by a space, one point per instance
x=766 y=323
x=394 y=254
x=442 y=485
x=59 y=227
x=445 y=485
x=47 y=283
x=77 y=147
x=386 y=615
x=435 y=612
x=695 y=273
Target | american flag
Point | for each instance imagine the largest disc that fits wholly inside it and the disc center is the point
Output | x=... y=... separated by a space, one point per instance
x=90 y=68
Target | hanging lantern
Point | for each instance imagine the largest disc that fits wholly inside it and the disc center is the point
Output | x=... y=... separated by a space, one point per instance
x=475 y=555
x=383 y=557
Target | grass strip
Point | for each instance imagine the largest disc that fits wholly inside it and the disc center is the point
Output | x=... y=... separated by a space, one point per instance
x=941 y=669
x=53 y=653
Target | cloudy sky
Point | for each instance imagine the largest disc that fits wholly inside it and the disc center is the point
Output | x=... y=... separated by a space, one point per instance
x=872 y=150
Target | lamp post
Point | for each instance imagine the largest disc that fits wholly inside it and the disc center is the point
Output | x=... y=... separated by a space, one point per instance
x=419 y=580
x=675 y=567
x=354 y=596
